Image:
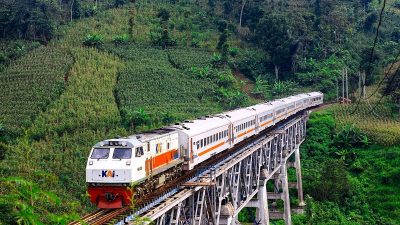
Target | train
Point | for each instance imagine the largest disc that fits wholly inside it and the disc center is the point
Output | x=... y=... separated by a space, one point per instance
x=121 y=169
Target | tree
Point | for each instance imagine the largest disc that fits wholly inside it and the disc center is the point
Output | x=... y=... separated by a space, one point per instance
x=370 y=64
x=333 y=184
x=132 y=23
x=118 y=3
x=392 y=88
x=241 y=12
x=137 y=118
x=164 y=16
x=272 y=34
x=188 y=28
x=223 y=45
x=76 y=12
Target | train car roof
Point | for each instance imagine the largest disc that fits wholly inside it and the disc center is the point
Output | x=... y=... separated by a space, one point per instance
x=303 y=96
x=313 y=94
x=290 y=99
x=278 y=103
x=202 y=125
x=119 y=142
x=240 y=114
x=148 y=135
x=263 y=107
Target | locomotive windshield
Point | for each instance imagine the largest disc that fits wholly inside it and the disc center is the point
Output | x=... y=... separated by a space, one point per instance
x=122 y=153
x=100 y=153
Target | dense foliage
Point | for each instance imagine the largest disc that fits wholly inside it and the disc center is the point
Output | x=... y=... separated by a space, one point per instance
x=349 y=182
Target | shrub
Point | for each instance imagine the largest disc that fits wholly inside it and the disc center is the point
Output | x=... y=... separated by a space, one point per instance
x=217 y=60
x=333 y=184
x=233 y=51
x=120 y=39
x=93 y=40
x=3 y=150
x=350 y=137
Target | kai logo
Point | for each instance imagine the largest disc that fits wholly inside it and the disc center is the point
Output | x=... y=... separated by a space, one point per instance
x=107 y=173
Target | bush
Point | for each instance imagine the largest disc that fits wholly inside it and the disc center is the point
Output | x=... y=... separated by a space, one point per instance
x=233 y=51
x=120 y=39
x=3 y=150
x=333 y=184
x=251 y=62
x=93 y=40
x=350 y=137
x=320 y=132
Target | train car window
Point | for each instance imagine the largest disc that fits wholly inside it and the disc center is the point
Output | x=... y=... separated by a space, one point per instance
x=198 y=144
x=138 y=152
x=100 y=153
x=215 y=137
x=201 y=142
x=169 y=145
x=219 y=135
x=208 y=140
x=122 y=153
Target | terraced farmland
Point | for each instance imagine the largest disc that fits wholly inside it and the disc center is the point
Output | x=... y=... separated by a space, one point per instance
x=30 y=83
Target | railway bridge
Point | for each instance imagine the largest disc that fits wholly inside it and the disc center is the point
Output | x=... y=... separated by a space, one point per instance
x=218 y=193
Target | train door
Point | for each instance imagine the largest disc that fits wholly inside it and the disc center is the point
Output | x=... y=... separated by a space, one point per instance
x=257 y=125
x=230 y=134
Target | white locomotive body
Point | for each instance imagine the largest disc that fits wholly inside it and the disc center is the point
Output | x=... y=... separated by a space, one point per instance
x=116 y=163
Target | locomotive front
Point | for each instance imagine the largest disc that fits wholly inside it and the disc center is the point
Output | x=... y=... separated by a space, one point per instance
x=110 y=171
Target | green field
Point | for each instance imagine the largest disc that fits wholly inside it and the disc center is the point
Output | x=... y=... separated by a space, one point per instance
x=150 y=81
x=29 y=84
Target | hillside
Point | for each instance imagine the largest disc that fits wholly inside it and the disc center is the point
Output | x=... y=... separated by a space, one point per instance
x=112 y=68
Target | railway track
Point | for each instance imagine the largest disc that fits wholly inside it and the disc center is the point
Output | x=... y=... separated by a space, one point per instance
x=105 y=216
x=100 y=216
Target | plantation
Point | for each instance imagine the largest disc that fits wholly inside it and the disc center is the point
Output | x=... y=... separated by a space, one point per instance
x=30 y=83
x=151 y=82
x=377 y=122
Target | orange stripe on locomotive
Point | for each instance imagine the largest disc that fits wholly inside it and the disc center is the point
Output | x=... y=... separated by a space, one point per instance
x=160 y=160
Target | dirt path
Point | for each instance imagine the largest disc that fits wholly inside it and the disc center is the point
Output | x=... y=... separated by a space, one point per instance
x=249 y=84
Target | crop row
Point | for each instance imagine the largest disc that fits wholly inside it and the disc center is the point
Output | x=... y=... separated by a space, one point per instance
x=30 y=83
x=165 y=85
x=377 y=122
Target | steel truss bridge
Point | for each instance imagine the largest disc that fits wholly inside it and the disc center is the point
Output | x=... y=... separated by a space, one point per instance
x=219 y=193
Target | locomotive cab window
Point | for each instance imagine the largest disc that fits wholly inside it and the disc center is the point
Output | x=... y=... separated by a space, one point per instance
x=100 y=153
x=122 y=153
x=138 y=152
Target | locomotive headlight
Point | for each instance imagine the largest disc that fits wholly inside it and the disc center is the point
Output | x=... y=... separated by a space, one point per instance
x=90 y=162
x=128 y=163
